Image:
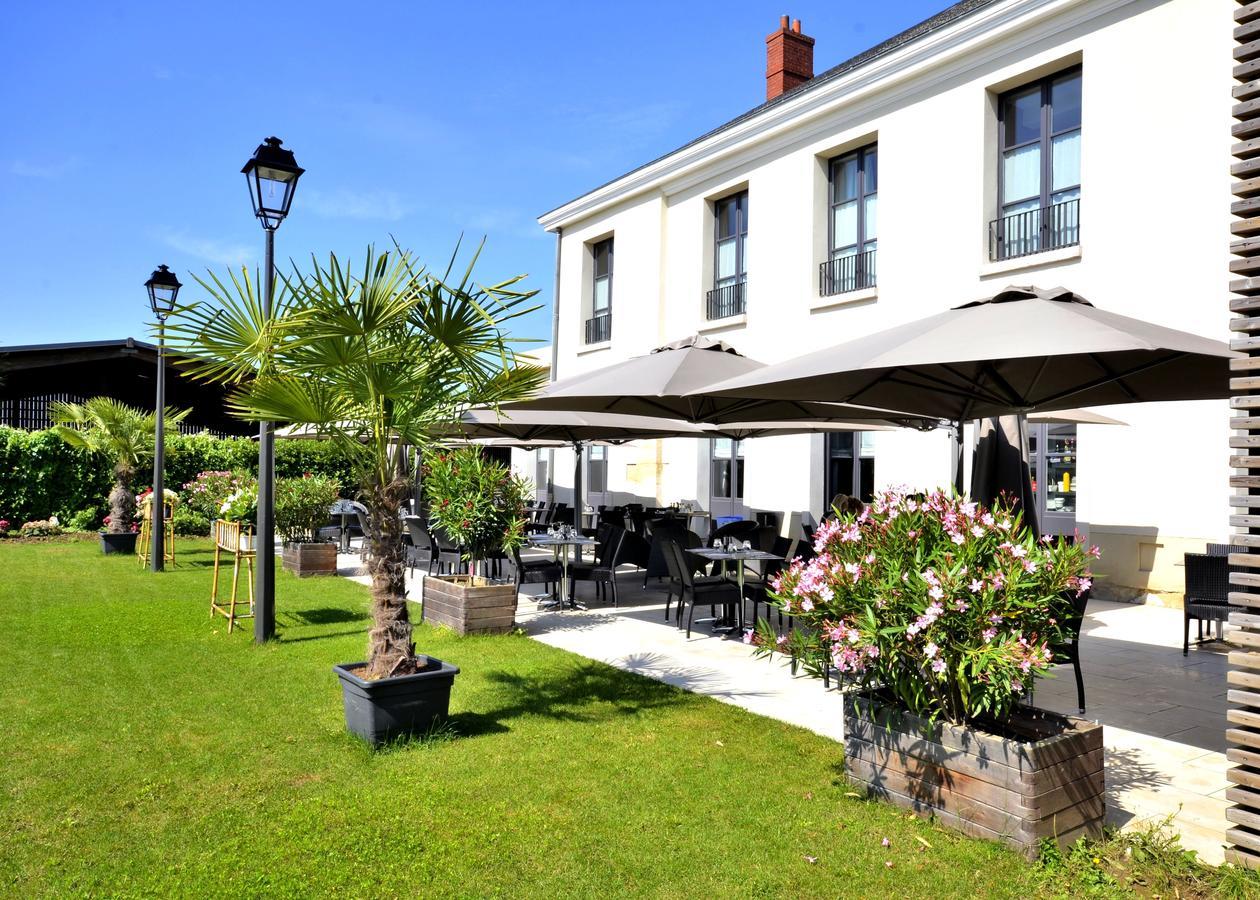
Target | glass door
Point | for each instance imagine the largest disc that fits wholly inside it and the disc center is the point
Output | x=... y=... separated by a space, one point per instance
x=1052 y=464
x=726 y=479
x=850 y=460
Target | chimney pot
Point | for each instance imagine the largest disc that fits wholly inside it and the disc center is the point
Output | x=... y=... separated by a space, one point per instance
x=789 y=58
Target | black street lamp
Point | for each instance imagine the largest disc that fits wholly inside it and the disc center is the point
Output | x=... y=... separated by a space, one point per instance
x=163 y=288
x=272 y=174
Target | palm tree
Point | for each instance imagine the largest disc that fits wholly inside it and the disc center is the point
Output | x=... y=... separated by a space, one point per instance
x=376 y=362
x=121 y=433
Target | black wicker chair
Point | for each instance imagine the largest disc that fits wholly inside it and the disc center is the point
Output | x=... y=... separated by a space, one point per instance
x=546 y=572
x=603 y=572
x=712 y=592
x=1207 y=591
x=1070 y=652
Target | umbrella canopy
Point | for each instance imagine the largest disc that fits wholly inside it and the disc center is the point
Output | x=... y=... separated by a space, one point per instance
x=1021 y=350
x=1074 y=417
x=670 y=382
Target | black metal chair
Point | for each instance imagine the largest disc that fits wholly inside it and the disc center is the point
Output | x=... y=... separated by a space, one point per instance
x=713 y=592
x=546 y=572
x=1070 y=652
x=743 y=530
x=422 y=546
x=447 y=555
x=603 y=572
x=1207 y=591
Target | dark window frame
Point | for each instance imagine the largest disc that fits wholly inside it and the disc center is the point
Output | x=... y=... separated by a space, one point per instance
x=835 y=277
x=597 y=469
x=1045 y=137
x=734 y=466
x=739 y=236
x=599 y=322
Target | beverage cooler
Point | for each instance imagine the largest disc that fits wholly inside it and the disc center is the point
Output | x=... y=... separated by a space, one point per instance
x=1052 y=465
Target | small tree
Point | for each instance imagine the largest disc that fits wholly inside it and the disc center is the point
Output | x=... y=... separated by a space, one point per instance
x=302 y=506
x=478 y=502
x=121 y=433
x=376 y=362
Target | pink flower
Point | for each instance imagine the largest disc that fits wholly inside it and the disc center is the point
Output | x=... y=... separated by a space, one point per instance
x=885 y=843
x=1030 y=566
x=1017 y=686
x=988 y=634
x=1018 y=552
x=957 y=538
x=976 y=586
x=987 y=520
x=938 y=666
x=1083 y=585
x=995 y=619
x=930 y=650
x=977 y=531
x=806 y=604
x=961 y=605
x=936 y=593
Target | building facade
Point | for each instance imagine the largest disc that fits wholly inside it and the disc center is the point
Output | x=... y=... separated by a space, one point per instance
x=1047 y=142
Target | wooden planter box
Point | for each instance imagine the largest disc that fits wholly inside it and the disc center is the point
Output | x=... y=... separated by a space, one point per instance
x=304 y=560
x=1044 y=779
x=469 y=604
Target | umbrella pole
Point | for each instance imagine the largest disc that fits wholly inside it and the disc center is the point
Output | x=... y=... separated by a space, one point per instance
x=956 y=454
x=577 y=497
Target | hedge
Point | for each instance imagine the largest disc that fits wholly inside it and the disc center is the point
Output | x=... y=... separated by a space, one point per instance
x=40 y=476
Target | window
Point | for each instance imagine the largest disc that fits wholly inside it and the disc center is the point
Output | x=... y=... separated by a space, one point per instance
x=599 y=325
x=849 y=472
x=1039 y=174
x=852 y=189
x=730 y=257
x=596 y=469
x=727 y=469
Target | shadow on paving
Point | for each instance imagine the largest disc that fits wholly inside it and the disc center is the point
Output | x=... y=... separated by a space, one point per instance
x=583 y=692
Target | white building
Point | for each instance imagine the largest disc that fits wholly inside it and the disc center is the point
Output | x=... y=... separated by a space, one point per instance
x=1051 y=142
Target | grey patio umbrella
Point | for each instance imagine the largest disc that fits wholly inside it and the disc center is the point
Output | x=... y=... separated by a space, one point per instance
x=1073 y=417
x=669 y=382
x=1022 y=350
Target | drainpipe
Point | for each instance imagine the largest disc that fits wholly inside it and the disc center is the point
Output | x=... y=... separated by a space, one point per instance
x=555 y=360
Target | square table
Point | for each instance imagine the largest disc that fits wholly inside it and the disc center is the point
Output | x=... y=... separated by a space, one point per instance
x=741 y=556
x=560 y=545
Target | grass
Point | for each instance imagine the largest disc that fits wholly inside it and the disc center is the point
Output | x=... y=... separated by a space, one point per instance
x=146 y=751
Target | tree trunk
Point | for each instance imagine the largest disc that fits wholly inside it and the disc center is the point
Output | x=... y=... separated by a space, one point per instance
x=122 y=502
x=390 y=650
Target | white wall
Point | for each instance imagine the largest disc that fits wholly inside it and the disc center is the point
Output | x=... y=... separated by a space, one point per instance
x=1154 y=210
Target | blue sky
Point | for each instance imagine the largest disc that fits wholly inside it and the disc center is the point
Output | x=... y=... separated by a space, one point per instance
x=126 y=124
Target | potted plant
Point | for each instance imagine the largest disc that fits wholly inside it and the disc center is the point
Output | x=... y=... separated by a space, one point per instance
x=480 y=504
x=301 y=511
x=943 y=614
x=122 y=434
x=375 y=362
x=204 y=496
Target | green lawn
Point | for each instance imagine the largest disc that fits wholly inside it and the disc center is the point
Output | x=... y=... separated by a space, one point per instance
x=146 y=751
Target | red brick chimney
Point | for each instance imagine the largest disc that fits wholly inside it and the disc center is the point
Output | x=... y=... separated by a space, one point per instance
x=789 y=58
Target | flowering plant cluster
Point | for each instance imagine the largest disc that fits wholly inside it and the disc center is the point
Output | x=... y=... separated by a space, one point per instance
x=205 y=493
x=302 y=505
x=952 y=608
x=479 y=503
x=240 y=506
x=41 y=527
x=4 y=525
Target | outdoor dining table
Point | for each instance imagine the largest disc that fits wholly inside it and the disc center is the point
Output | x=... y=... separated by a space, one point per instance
x=740 y=556
x=559 y=545
x=344 y=508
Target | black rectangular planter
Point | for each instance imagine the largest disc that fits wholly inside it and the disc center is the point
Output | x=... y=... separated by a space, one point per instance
x=124 y=542
x=380 y=711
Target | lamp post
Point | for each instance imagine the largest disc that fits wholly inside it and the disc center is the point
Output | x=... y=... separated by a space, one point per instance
x=272 y=174
x=163 y=288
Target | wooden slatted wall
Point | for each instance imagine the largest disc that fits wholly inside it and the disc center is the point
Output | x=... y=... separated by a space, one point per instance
x=1243 y=728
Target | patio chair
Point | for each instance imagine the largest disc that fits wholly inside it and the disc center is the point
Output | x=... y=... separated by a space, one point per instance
x=742 y=530
x=422 y=546
x=1070 y=651
x=448 y=554
x=546 y=572
x=603 y=572
x=713 y=592
x=672 y=529
x=1207 y=592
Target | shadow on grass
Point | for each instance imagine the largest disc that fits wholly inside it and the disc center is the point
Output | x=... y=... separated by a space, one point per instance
x=325 y=615
x=583 y=692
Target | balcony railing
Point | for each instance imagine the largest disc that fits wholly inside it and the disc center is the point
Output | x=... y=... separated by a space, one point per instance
x=599 y=328
x=726 y=301
x=1035 y=231
x=847 y=273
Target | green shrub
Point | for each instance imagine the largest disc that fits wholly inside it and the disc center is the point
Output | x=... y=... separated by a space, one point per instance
x=84 y=520
x=207 y=492
x=302 y=505
x=190 y=522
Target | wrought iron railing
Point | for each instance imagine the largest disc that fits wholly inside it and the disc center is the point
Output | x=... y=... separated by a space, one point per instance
x=1035 y=231
x=599 y=328
x=723 y=302
x=847 y=273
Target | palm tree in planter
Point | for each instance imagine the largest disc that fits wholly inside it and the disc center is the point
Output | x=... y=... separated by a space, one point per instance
x=125 y=436
x=377 y=362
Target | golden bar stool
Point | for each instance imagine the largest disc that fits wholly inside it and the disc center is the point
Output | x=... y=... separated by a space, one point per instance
x=237 y=539
x=146 y=531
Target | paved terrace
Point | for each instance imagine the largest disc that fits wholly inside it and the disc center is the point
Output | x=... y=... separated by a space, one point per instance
x=1164 y=713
